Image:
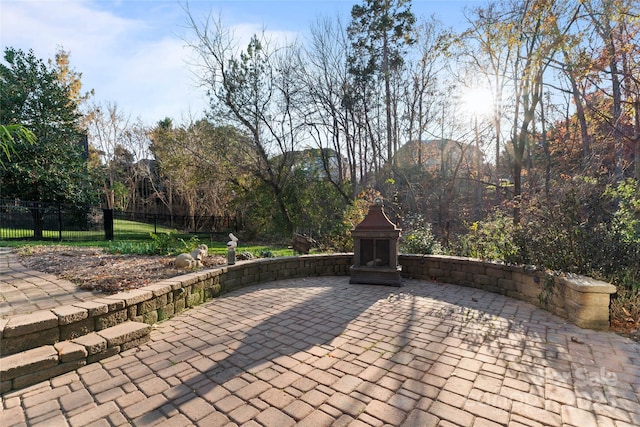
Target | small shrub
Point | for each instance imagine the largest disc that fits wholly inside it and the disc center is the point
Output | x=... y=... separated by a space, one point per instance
x=160 y=244
x=265 y=253
x=493 y=239
x=163 y=243
x=189 y=245
x=125 y=247
x=245 y=256
x=626 y=219
x=418 y=238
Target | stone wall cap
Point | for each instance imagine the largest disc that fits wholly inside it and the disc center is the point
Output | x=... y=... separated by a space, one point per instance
x=69 y=314
x=580 y=283
x=132 y=297
x=27 y=323
x=47 y=355
x=158 y=289
x=112 y=304
x=94 y=308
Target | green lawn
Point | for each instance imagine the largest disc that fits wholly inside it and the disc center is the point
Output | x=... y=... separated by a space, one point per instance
x=131 y=237
x=133 y=230
x=52 y=234
x=122 y=230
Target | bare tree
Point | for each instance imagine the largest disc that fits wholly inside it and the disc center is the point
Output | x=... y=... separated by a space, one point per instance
x=525 y=36
x=253 y=90
x=108 y=126
x=486 y=44
x=603 y=14
x=326 y=81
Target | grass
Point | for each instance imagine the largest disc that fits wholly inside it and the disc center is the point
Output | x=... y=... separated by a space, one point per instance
x=133 y=230
x=122 y=229
x=52 y=234
x=145 y=247
x=131 y=237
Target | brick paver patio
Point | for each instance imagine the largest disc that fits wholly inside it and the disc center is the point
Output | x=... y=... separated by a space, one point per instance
x=321 y=352
x=24 y=291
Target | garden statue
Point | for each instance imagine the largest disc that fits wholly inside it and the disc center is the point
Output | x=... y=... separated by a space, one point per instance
x=231 y=249
x=193 y=259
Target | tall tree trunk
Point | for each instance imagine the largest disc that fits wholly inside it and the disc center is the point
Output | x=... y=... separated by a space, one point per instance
x=517 y=189
x=547 y=152
x=478 y=164
x=387 y=98
x=636 y=156
x=283 y=209
x=530 y=98
x=580 y=114
x=617 y=114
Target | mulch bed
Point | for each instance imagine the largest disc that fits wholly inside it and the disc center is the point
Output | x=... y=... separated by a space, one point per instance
x=93 y=269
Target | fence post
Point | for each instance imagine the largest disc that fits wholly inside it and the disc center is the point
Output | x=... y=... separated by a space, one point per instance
x=59 y=222
x=108 y=223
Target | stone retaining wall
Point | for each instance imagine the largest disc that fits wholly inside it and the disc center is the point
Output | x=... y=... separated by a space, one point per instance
x=581 y=300
x=156 y=302
x=47 y=361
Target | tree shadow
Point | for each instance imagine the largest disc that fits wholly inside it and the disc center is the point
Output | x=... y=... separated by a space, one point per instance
x=274 y=325
x=292 y=323
x=241 y=341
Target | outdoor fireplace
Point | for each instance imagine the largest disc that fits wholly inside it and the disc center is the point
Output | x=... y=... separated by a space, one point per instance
x=375 y=258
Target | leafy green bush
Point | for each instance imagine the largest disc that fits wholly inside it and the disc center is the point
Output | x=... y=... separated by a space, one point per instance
x=493 y=239
x=339 y=238
x=266 y=254
x=626 y=219
x=418 y=238
x=588 y=230
x=160 y=244
x=584 y=228
x=186 y=246
x=128 y=247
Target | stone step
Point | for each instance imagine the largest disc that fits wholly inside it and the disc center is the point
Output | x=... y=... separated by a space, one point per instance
x=38 y=364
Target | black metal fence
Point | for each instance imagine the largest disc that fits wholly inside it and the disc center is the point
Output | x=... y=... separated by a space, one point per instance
x=53 y=221
x=127 y=225
x=49 y=221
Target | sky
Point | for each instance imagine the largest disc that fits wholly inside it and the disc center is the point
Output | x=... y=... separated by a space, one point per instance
x=133 y=52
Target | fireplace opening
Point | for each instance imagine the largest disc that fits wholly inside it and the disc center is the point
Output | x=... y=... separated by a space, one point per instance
x=374 y=252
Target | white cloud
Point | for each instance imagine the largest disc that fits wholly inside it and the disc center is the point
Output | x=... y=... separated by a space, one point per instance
x=129 y=52
x=124 y=60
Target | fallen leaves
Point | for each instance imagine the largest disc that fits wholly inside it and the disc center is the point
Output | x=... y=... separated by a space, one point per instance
x=92 y=269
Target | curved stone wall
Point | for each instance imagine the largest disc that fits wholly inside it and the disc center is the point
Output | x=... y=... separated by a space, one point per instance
x=47 y=343
x=581 y=300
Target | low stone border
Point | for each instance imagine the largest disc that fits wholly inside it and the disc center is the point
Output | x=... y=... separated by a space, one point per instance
x=581 y=300
x=156 y=302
